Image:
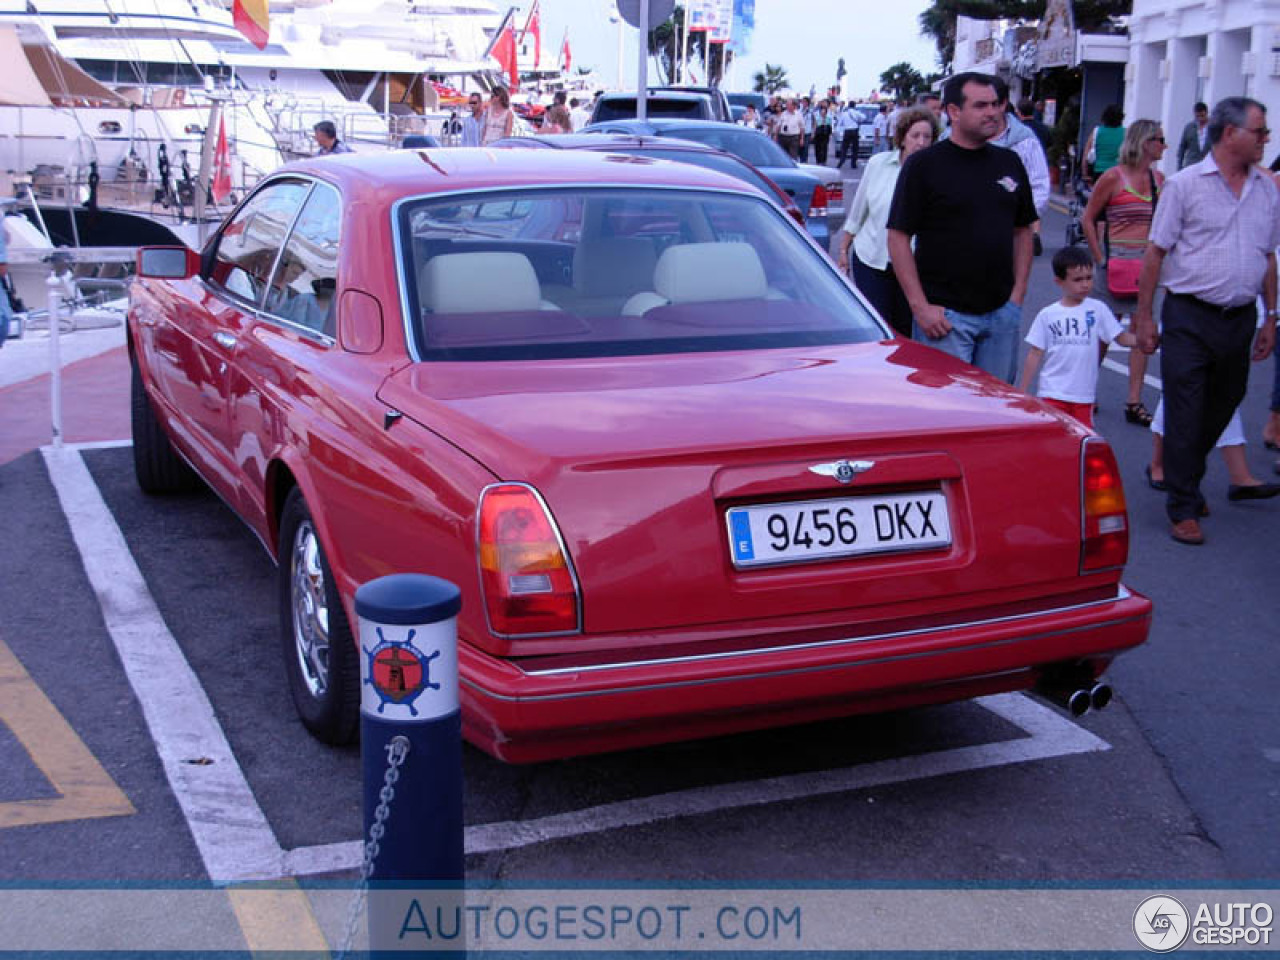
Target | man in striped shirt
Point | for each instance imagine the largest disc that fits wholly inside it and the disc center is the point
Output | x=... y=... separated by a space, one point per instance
x=1212 y=246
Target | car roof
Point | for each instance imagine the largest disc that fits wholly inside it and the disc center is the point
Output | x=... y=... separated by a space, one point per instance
x=607 y=141
x=396 y=173
x=674 y=123
x=667 y=94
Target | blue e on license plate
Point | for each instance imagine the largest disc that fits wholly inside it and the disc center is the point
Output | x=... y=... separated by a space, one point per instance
x=819 y=529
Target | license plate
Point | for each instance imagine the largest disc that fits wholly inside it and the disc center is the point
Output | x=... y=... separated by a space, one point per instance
x=819 y=529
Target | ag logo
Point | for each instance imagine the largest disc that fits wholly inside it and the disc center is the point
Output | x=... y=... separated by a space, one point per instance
x=1161 y=924
x=399 y=672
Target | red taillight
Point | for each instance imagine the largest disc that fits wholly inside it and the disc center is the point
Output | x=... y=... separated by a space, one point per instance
x=1105 y=533
x=818 y=205
x=528 y=585
x=835 y=194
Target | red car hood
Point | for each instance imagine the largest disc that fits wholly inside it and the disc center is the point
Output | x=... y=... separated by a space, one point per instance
x=639 y=459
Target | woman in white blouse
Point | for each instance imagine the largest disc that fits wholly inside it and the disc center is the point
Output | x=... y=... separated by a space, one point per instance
x=865 y=229
x=498 y=118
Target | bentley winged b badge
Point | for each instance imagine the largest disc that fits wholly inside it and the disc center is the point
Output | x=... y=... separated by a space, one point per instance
x=843 y=470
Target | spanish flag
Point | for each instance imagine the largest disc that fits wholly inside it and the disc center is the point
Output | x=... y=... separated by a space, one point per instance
x=250 y=18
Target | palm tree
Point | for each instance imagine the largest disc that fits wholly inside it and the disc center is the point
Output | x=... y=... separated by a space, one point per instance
x=771 y=79
x=904 y=80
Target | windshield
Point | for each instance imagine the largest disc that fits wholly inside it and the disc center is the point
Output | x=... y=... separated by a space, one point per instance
x=755 y=148
x=589 y=272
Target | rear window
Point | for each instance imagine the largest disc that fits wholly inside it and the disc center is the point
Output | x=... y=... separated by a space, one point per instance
x=755 y=148
x=714 y=161
x=624 y=108
x=587 y=272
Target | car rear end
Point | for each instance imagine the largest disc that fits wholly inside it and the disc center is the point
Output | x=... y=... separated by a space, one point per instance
x=832 y=184
x=749 y=507
x=765 y=584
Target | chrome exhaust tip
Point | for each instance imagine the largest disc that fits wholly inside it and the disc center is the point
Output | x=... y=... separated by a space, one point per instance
x=1075 y=700
x=1100 y=696
x=1078 y=702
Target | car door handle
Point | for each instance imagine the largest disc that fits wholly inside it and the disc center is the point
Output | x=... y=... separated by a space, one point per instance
x=225 y=340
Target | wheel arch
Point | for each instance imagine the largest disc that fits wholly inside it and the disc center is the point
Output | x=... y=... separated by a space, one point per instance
x=283 y=476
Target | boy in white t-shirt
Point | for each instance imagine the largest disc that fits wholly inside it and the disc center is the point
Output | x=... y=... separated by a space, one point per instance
x=1068 y=337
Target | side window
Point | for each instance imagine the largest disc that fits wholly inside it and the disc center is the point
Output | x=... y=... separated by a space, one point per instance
x=302 y=291
x=248 y=244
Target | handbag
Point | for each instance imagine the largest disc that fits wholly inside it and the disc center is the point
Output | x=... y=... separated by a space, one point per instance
x=1122 y=276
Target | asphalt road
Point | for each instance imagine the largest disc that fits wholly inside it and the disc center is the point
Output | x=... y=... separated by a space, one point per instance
x=1179 y=781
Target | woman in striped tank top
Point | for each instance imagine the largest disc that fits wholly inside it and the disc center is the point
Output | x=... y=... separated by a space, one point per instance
x=1128 y=192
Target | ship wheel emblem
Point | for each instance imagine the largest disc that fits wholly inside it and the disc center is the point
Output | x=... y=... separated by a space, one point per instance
x=399 y=671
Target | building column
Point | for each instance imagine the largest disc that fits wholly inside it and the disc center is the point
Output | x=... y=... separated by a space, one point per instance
x=1264 y=84
x=1180 y=94
x=1227 y=49
x=1145 y=88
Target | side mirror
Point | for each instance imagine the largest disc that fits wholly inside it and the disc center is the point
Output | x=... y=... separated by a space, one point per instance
x=168 y=263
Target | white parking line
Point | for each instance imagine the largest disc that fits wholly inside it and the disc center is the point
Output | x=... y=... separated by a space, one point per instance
x=1048 y=735
x=1148 y=379
x=230 y=829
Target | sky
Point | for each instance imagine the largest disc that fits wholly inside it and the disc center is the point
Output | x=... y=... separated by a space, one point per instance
x=806 y=37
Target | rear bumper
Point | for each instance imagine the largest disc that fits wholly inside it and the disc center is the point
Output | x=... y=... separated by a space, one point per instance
x=523 y=715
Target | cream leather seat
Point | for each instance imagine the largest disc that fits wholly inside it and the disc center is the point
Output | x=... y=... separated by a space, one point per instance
x=483 y=282
x=702 y=272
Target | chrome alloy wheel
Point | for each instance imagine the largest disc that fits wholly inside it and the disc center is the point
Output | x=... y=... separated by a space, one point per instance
x=310 y=609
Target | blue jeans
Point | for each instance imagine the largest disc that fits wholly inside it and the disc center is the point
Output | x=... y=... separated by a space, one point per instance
x=6 y=312
x=987 y=340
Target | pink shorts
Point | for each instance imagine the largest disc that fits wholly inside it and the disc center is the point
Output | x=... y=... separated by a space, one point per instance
x=1081 y=411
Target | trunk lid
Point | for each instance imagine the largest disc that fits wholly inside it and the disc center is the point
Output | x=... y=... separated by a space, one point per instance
x=641 y=460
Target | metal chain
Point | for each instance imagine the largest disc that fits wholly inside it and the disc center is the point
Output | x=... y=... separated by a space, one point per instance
x=397 y=749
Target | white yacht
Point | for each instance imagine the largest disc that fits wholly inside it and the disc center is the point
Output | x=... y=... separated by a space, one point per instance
x=106 y=111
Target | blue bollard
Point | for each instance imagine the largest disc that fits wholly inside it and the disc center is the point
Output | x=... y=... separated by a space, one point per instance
x=409 y=698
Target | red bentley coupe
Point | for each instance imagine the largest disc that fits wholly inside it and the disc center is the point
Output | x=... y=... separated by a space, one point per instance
x=687 y=481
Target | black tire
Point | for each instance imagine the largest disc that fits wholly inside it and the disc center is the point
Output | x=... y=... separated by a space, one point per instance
x=156 y=464
x=320 y=656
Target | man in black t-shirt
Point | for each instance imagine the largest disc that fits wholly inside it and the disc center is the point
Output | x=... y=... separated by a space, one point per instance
x=968 y=206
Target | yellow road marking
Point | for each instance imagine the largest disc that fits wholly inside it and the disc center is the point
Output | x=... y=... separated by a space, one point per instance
x=277 y=918
x=86 y=790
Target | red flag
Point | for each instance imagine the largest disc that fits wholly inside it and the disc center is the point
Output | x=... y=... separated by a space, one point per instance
x=504 y=51
x=250 y=18
x=221 y=186
x=534 y=25
x=565 y=57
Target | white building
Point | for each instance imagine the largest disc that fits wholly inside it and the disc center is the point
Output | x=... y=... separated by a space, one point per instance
x=988 y=46
x=1184 y=51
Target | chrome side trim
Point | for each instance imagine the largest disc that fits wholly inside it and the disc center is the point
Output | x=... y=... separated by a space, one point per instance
x=1122 y=593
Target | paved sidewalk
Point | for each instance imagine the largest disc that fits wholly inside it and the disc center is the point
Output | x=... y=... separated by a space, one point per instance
x=95 y=405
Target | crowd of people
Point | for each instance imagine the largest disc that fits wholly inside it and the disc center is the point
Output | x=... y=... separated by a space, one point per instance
x=941 y=236
x=804 y=124
x=944 y=226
